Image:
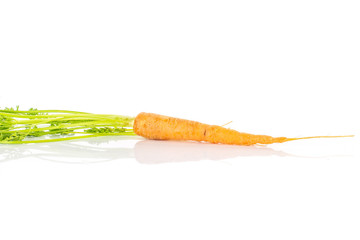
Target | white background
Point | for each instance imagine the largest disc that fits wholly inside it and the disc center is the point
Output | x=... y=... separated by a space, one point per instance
x=283 y=68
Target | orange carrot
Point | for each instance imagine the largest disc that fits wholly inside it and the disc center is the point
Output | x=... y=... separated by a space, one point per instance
x=155 y=126
x=20 y=127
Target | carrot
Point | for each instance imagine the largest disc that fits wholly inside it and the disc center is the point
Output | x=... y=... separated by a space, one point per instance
x=155 y=126
x=42 y=126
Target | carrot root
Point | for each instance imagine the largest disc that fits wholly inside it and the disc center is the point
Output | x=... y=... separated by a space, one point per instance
x=300 y=138
x=155 y=126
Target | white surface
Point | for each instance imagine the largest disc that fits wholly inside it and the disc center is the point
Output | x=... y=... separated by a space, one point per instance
x=272 y=67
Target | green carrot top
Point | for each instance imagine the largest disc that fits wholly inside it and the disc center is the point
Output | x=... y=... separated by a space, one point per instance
x=35 y=126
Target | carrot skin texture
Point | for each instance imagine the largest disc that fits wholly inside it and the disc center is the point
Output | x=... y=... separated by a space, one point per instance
x=160 y=127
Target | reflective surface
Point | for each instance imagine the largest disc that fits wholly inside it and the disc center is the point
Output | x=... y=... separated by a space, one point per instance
x=143 y=151
x=106 y=188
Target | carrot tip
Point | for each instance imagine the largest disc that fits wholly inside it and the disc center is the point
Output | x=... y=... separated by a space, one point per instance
x=300 y=138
